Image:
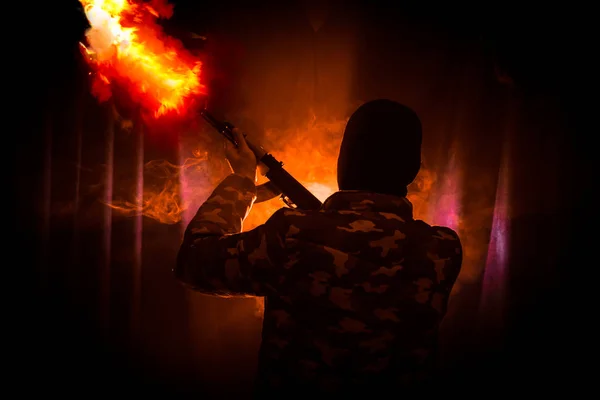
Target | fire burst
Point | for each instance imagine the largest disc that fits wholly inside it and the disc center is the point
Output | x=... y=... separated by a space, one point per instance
x=127 y=46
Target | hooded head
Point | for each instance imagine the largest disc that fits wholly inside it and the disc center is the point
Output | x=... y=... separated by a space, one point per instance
x=381 y=149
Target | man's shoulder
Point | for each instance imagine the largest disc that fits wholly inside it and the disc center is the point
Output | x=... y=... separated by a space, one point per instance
x=287 y=217
x=436 y=231
x=443 y=240
x=340 y=220
x=444 y=233
x=287 y=213
x=448 y=246
x=328 y=227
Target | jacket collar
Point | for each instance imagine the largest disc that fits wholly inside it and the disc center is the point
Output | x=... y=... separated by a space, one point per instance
x=354 y=200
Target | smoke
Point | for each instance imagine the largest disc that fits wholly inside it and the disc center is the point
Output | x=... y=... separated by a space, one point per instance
x=419 y=191
x=440 y=194
x=162 y=198
x=309 y=152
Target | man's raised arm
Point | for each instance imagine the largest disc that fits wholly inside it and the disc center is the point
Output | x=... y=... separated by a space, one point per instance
x=215 y=258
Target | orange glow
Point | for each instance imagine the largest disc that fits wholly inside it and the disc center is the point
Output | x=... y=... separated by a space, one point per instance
x=179 y=190
x=313 y=162
x=165 y=203
x=128 y=47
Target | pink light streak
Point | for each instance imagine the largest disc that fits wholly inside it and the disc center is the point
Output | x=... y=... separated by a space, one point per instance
x=495 y=274
x=137 y=256
x=446 y=210
x=193 y=184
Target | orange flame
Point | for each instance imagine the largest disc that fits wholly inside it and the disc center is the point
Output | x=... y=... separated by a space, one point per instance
x=127 y=46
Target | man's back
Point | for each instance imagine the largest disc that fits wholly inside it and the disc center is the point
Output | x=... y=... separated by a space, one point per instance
x=356 y=290
x=364 y=291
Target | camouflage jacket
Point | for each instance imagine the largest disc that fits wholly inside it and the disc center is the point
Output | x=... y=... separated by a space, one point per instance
x=354 y=291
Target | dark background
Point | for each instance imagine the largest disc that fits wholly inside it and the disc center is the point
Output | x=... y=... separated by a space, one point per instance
x=478 y=64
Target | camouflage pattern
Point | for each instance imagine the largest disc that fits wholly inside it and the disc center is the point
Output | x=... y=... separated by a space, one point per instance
x=355 y=292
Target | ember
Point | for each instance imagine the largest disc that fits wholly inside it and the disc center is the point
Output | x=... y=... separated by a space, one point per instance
x=128 y=47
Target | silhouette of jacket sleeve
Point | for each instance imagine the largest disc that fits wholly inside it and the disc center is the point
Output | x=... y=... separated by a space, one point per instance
x=216 y=258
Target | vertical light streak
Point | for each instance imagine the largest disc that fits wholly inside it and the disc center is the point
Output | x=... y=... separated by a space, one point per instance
x=106 y=242
x=138 y=232
x=447 y=207
x=495 y=273
x=193 y=182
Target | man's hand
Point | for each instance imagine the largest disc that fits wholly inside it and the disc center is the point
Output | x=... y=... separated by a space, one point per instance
x=241 y=159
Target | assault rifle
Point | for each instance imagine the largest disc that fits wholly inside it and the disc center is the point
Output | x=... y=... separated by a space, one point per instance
x=280 y=183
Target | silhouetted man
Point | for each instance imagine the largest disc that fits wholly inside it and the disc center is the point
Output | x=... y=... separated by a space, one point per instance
x=355 y=291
